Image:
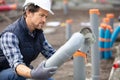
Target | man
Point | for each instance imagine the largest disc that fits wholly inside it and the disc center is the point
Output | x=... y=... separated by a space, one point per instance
x=23 y=40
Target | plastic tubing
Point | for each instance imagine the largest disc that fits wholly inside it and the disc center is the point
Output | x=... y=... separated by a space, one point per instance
x=79 y=65
x=65 y=7
x=101 y=39
x=68 y=28
x=106 y=20
x=107 y=46
x=94 y=21
x=8 y=7
x=115 y=35
x=66 y=51
x=79 y=58
x=111 y=17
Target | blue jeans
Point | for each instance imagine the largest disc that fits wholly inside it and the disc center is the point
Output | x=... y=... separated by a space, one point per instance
x=9 y=74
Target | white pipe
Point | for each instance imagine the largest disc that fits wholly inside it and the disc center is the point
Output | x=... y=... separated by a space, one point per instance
x=66 y=51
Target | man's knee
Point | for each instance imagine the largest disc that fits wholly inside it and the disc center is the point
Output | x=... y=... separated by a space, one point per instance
x=9 y=74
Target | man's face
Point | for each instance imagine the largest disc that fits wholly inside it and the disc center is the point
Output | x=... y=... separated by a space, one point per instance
x=37 y=19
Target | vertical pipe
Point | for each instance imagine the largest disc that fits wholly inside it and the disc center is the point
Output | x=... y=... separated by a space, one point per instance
x=80 y=55
x=107 y=38
x=68 y=28
x=101 y=39
x=94 y=21
x=107 y=46
x=111 y=32
x=106 y=20
x=65 y=7
x=111 y=17
x=79 y=65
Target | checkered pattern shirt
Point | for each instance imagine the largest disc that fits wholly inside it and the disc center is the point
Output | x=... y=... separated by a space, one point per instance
x=9 y=44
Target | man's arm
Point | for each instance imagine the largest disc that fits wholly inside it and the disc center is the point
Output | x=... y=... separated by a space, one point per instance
x=47 y=50
x=9 y=45
x=23 y=70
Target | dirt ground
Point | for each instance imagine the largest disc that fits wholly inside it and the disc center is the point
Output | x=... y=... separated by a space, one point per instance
x=57 y=39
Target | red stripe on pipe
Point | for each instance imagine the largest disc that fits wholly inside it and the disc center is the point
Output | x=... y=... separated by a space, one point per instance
x=5 y=8
x=8 y=7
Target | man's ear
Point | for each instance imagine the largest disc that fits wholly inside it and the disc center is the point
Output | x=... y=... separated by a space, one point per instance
x=28 y=13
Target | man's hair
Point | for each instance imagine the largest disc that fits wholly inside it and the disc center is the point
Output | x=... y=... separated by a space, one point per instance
x=30 y=7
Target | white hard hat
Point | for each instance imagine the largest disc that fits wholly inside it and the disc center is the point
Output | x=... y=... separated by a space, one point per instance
x=44 y=4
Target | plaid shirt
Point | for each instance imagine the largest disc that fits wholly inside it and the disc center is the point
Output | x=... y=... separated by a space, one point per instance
x=9 y=44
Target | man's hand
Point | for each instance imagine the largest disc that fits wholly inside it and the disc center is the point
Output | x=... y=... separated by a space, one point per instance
x=43 y=73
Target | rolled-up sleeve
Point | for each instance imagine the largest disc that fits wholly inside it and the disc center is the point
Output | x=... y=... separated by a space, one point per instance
x=9 y=45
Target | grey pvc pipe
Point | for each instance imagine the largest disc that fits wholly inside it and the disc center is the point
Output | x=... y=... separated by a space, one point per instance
x=94 y=21
x=79 y=65
x=68 y=31
x=79 y=68
x=111 y=17
x=66 y=51
x=111 y=23
x=65 y=8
